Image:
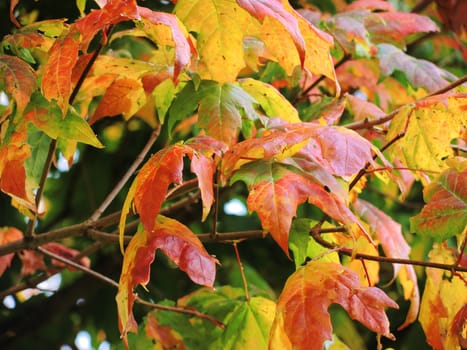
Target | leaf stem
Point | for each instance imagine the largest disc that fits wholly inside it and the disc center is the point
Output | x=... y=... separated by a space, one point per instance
x=242 y=271
x=111 y=196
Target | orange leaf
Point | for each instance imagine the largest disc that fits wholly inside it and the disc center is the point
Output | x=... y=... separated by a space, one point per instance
x=56 y=77
x=162 y=334
x=123 y=96
x=179 y=243
x=13 y=4
x=302 y=320
x=7 y=235
x=20 y=80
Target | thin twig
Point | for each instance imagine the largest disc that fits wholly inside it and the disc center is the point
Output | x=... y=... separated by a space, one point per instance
x=383 y=259
x=181 y=310
x=242 y=271
x=216 y=208
x=113 y=283
x=131 y=170
x=423 y=4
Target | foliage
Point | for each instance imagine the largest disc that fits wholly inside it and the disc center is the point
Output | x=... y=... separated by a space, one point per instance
x=322 y=124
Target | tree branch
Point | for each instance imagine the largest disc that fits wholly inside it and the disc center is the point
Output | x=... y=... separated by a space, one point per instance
x=131 y=170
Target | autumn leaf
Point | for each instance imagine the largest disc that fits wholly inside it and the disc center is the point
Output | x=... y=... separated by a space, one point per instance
x=179 y=37
x=443 y=297
x=445 y=214
x=7 y=235
x=272 y=102
x=56 y=76
x=164 y=168
x=302 y=320
x=179 y=244
x=389 y=233
x=18 y=79
x=163 y=334
x=429 y=128
x=275 y=191
x=364 y=110
x=419 y=73
x=220 y=26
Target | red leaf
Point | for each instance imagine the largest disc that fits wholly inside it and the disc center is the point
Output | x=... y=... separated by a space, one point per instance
x=389 y=234
x=13 y=4
x=453 y=14
x=114 y=11
x=20 y=80
x=67 y=253
x=183 y=45
x=302 y=317
x=364 y=110
x=458 y=327
x=398 y=25
x=371 y=5
x=275 y=192
x=7 y=235
x=179 y=243
x=32 y=261
x=150 y=187
x=275 y=9
x=56 y=78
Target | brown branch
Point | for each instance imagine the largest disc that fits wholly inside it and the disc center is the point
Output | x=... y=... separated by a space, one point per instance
x=131 y=170
x=113 y=283
x=315 y=233
x=242 y=271
x=423 y=4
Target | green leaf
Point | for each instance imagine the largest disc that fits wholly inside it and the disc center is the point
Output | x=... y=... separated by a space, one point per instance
x=164 y=93
x=39 y=143
x=221 y=108
x=445 y=214
x=248 y=325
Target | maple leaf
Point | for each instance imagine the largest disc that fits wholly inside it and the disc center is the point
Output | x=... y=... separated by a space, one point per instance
x=179 y=243
x=220 y=26
x=164 y=168
x=7 y=235
x=248 y=325
x=179 y=37
x=420 y=73
x=18 y=79
x=47 y=117
x=389 y=234
x=443 y=298
x=429 y=128
x=114 y=11
x=445 y=214
x=302 y=320
x=56 y=75
x=163 y=334
x=364 y=110
x=275 y=191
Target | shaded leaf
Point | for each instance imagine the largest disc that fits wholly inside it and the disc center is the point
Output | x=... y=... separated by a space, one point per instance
x=18 y=80
x=389 y=234
x=420 y=73
x=162 y=334
x=364 y=110
x=179 y=243
x=7 y=235
x=445 y=214
x=302 y=320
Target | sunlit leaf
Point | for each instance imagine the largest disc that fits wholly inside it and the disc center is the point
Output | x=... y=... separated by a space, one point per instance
x=56 y=77
x=302 y=319
x=429 y=129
